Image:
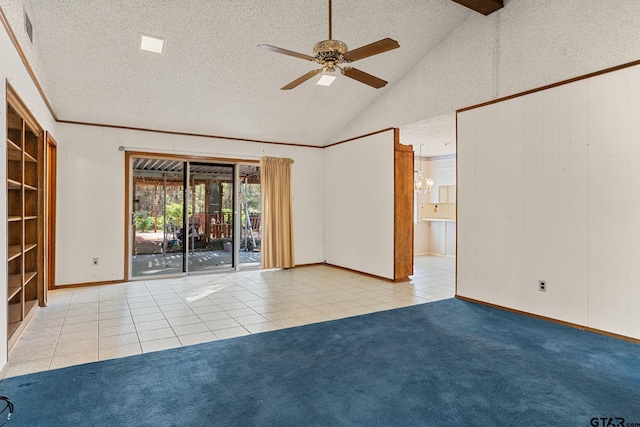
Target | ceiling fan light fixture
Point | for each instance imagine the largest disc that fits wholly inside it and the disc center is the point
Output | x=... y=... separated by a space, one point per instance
x=326 y=80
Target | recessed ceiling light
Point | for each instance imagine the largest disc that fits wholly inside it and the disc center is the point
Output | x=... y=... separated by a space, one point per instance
x=326 y=80
x=151 y=43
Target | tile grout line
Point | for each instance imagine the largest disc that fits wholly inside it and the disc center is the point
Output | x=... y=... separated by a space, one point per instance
x=55 y=346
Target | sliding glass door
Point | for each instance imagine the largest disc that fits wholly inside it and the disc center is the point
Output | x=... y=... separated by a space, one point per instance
x=158 y=203
x=210 y=239
x=186 y=217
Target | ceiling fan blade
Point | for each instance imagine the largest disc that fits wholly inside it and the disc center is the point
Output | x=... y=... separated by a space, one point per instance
x=302 y=79
x=371 y=49
x=286 y=52
x=363 y=77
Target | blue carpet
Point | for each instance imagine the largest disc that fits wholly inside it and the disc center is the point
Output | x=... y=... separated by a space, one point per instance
x=449 y=363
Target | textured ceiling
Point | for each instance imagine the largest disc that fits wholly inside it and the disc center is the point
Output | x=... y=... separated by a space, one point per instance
x=436 y=135
x=211 y=78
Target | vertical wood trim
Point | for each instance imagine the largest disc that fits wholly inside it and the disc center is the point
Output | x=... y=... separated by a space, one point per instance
x=51 y=209
x=42 y=290
x=403 y=209
x=127 y=220
x=457 y=202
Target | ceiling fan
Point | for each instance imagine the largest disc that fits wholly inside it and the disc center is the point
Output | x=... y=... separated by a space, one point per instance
x=331 y=54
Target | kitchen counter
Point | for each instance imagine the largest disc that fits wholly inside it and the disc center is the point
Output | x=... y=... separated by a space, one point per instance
x=441 y=235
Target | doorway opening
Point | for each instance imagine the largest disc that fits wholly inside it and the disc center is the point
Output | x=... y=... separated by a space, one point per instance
x=435 y=203
x=190 y=217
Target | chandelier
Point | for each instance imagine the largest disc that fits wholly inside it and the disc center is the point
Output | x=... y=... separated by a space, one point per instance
x=421 y=183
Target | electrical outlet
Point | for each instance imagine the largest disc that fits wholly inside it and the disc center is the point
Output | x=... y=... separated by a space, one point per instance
x=542 y=286
x=95 y=261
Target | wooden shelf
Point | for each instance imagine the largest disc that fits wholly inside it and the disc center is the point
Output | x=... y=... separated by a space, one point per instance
x=12 y=146
x=15 y=313
x=28 y=305
x=12 y=291
x=29 y=158
x=13 y=185
x=28 y=275
x=13 y=252
x=13 y=326
x=14 y=280
x=30 y=154
x=25 y=209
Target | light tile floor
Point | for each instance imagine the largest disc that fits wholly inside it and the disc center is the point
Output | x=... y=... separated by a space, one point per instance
x=82 y=325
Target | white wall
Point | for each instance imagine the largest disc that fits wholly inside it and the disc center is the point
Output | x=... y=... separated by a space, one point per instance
x=525 y=45
x=358 y=204
x=546 y=191
x=12 y=69
x=91 y=194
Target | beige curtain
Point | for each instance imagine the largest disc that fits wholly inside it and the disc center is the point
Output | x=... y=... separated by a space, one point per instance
x=277 y=213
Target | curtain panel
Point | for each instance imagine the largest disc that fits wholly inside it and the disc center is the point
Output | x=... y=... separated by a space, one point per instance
x=277 y=213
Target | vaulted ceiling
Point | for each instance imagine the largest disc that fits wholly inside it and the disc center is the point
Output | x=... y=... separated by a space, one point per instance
x=211 y=78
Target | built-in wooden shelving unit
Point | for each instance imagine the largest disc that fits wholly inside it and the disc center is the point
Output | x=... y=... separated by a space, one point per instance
x=25 y=262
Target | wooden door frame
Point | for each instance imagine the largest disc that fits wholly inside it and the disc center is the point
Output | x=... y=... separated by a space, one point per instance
x=403 y=167
x=51 y=174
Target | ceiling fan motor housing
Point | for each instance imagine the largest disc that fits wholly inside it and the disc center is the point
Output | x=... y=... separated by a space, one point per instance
x=330 y=52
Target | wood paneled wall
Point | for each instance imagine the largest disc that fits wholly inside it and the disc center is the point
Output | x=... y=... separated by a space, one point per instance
x=547 y=191
x=359 y=204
